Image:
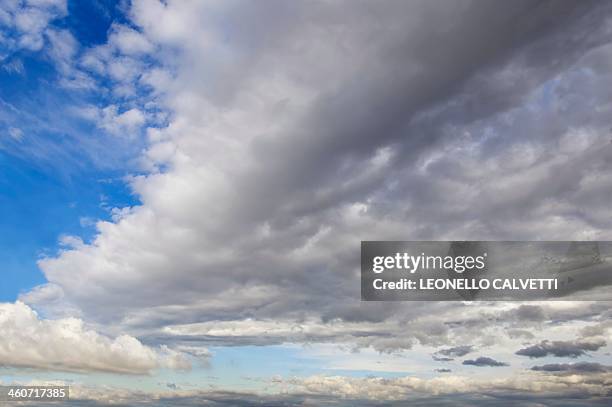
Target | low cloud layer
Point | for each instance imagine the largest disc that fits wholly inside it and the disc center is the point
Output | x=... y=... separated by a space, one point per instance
x=573 y=368
x=530 y=387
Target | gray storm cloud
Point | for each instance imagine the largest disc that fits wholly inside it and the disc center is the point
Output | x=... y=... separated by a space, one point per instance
x=571 y=349
x=573 y=368
x=483 y=361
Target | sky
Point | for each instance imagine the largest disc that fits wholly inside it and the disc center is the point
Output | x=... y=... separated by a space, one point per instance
x=184 y=186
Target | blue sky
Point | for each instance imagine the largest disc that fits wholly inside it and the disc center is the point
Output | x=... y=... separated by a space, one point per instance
x=50 y=184
x=184 y=186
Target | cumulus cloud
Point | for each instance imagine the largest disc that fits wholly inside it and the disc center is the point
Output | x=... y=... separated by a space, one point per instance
x=571 y=349
x=68 y=345
x=483 y=361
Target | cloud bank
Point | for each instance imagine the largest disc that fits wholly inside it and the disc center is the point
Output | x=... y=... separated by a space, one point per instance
x=580 y=389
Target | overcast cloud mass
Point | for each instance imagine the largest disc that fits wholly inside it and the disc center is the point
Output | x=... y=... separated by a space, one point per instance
x=262 y=141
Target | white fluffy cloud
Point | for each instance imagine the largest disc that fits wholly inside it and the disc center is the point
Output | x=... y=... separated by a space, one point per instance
x=28 y=341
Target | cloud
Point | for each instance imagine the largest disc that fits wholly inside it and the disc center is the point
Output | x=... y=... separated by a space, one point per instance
x=25 y=23
x=571 y=349
x=528 y=313
x=122 y=124
x=15 y=133
x=13 y=66
x=573 y=368
x=456 y=351
x=520 y=333
x=68 y=345
x=196 y=351
x=62 y=48
x=483 y=361
x=442 y=358
x=129 y=41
